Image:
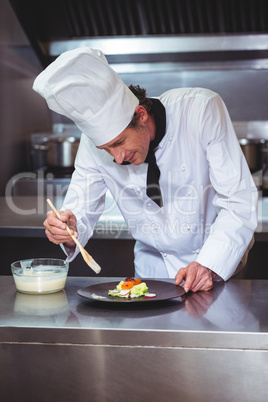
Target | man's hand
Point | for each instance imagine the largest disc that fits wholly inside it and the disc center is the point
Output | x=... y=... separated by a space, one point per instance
x=196 y=277
x=56 y=230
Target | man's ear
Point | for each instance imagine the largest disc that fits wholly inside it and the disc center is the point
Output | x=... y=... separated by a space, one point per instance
x=142 y=112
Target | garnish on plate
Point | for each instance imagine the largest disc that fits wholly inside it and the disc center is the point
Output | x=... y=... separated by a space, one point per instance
x=130 y=288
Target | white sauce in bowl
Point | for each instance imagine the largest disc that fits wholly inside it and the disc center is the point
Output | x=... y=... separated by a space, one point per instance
x=41 y=279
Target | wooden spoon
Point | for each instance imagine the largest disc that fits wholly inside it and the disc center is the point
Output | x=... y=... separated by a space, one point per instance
x=87 y=257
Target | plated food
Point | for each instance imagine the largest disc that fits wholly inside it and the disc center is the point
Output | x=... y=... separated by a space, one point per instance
x=131 y=288
x=157 y=291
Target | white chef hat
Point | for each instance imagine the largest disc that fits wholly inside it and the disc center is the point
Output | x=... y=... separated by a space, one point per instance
x=82 y=86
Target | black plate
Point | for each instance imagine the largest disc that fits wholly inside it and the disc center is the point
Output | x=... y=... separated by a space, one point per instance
x=163 y=291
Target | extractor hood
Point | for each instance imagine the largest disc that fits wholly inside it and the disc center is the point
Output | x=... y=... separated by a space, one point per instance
x=147 y=30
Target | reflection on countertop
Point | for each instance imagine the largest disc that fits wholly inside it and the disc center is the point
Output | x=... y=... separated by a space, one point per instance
x=223 y=309
x=234 y=306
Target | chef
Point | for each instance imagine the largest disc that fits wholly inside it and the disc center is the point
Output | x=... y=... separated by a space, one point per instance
x=172 y=163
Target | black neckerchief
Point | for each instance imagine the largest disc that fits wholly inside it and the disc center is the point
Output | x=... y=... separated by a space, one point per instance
x=153 y=173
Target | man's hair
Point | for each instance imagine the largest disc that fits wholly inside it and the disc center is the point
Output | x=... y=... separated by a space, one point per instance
x=140 y=93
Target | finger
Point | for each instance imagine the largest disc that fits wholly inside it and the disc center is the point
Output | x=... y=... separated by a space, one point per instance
x=62 y=216
x=204 y=283
x=58 y=235
x=180 y=276
x=47 y=225
x=70 y=219
x=204 y=287
x=72 y=225
x=205 y=280
x=189 y=279
x=52 y=220
x=65 y=215
x=55 y=238
x=54 y=226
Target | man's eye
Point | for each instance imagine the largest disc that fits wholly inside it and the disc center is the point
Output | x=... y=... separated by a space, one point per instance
x=119 y=143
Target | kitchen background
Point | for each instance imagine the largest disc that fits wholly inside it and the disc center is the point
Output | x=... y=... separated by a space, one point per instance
x=221 y=45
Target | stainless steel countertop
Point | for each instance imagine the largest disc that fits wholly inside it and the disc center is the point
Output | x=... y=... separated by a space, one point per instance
x=23 y=216
x=232 y=315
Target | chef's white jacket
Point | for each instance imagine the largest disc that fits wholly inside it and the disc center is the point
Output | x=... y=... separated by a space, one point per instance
x=210 y=199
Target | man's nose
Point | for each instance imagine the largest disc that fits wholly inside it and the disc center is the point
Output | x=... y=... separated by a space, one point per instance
x=118 y=155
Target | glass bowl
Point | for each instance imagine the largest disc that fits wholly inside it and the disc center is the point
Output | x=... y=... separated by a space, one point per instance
x=40 y=275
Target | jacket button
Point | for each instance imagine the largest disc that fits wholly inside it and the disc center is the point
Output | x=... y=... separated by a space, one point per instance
x=155 y=227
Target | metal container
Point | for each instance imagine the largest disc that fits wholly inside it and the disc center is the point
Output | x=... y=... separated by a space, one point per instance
x=57 y=151
x=61 y=151
x=265 y=168
x=252 y=149
x=264 y=151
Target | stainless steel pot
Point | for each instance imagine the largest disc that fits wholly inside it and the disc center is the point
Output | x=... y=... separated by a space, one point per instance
x=60 y=150
x=252 y=149
x=265 y=168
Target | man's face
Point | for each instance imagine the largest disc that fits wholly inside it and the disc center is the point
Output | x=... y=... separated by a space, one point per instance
x=131 y=145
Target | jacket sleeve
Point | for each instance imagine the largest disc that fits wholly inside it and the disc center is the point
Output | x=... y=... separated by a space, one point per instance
x=236 y=194
x=86 y=194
